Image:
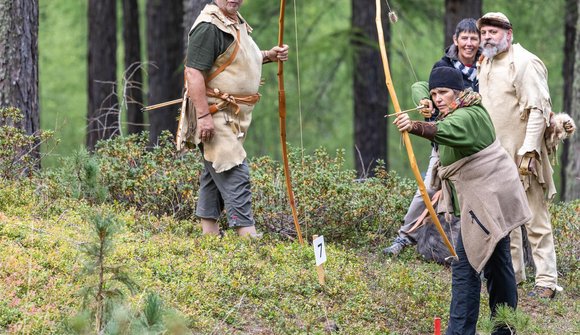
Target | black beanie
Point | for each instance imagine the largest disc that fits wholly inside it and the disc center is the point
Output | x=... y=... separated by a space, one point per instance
x=447 y=77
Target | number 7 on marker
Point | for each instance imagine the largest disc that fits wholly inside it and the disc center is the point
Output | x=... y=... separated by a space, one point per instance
x=319 y=250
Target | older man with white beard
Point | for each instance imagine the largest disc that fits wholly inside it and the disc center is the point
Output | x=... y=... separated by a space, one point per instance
x=514 y=89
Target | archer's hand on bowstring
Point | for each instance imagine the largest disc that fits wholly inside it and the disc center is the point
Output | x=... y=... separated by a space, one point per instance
x=428 y=109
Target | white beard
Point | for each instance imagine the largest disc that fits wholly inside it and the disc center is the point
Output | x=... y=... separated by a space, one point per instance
x=491 y=49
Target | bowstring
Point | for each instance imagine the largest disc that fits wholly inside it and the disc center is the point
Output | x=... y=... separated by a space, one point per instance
x=298 y=81
x=407 y=57
x=393 y=19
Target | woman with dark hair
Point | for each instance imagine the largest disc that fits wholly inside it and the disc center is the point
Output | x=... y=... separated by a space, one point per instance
x=481 y=185
x=464 y=52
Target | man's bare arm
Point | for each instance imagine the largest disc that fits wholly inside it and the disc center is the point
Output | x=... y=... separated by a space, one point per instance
x=196 y=92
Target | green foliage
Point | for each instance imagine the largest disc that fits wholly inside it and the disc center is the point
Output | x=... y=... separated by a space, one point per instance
x=565 y=224
x=330 y=201
x=14 y=197
x=8 y=315
x=120 y=321
x=228 y=285
x=86 y=173
x=232 y=285
x=78 y=177
x=515 y=320
x=62 y=60
x=101 y=290
x=154 y=319
x=78 y=324
x=329 y=198
x=104 y=309
x=17 y=149
x=152 y=312
x=155 y=180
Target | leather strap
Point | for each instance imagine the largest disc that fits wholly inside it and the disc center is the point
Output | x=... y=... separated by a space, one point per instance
x=248 y=99
x=232 y=100
x=228 y=62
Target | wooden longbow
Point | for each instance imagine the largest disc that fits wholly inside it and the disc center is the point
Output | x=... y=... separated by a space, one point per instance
x=406 y=139
x=282 y=114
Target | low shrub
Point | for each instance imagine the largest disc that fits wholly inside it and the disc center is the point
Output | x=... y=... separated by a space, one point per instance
x=19 y=155
x=77 y=178
x=232 y=285
x=15 y=197
x=329 y=199
x=566 y=225
x=156 y=180
x=8 y=315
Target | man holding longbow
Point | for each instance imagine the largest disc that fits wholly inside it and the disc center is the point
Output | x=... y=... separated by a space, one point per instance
x=222 y=73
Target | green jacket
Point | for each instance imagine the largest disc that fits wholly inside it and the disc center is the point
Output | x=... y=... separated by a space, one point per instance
x=463 y=132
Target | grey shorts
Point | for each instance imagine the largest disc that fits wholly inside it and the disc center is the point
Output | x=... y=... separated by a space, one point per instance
x=230 y=190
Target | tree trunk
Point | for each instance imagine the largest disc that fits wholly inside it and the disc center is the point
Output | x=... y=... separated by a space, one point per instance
x=165 y=53
x=572 y=169
x=191 y=9
x=19 y=61
x=103 y=111
x=133 y=75
x=370 y=93
x=567 y=174
x=457 y=10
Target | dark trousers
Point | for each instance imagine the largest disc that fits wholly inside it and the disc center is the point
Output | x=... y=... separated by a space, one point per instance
x=466 y=288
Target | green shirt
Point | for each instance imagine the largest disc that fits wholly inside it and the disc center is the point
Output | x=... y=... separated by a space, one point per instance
x=463 y=133
x=206 y=42
x=419 y=91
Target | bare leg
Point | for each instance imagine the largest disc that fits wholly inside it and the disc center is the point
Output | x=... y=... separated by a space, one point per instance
x=247 y=231
x=210 y=227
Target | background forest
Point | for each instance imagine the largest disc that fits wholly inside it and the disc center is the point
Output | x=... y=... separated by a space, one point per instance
x=320 y=104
